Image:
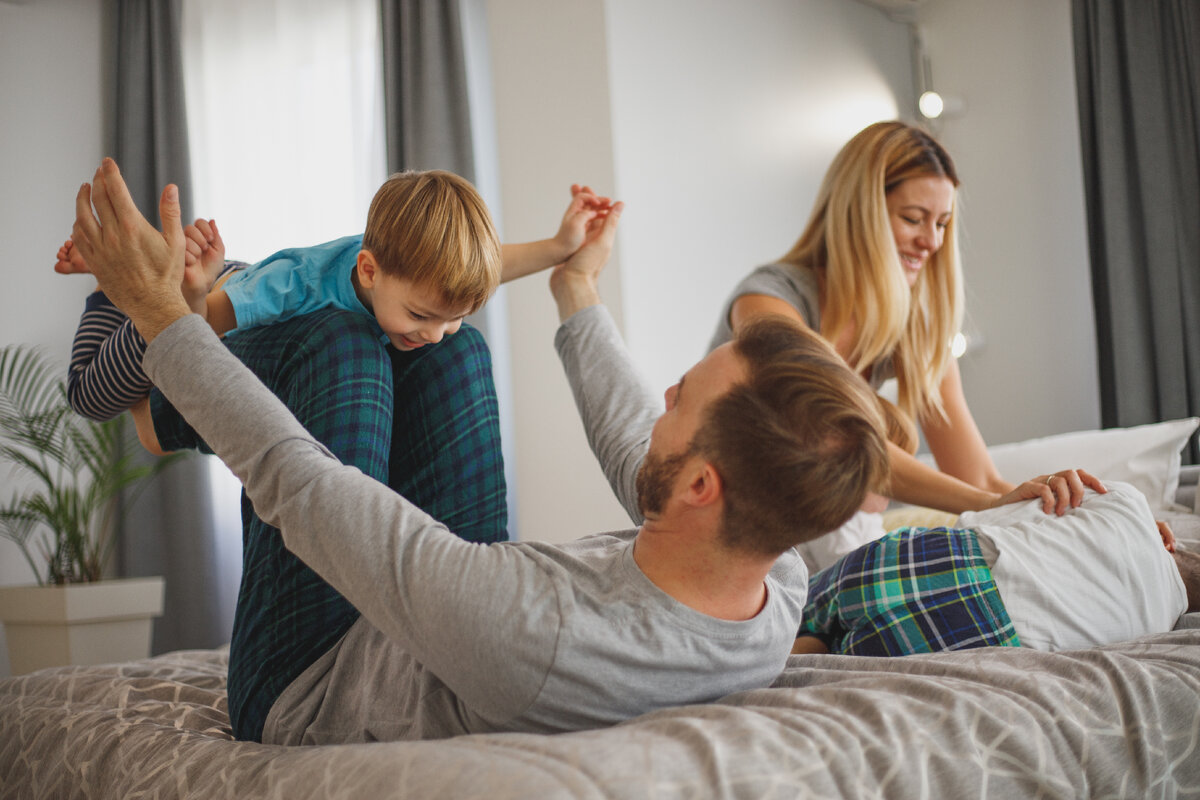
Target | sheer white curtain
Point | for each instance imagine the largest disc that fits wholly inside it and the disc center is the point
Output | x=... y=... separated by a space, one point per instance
x=285 y=111
x=285 y=121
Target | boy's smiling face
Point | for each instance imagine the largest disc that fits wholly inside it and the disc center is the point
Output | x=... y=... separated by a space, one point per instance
x=410 y=314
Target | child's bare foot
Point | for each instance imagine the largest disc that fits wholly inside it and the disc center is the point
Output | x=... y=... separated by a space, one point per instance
x=203 y=260
x=69 y=261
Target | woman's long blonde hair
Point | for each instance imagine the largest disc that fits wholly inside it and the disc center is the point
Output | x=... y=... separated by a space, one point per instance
x=849 y=242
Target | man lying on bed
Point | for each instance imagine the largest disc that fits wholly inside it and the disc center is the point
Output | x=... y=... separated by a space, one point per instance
x=1103 y=572
x=703 y=600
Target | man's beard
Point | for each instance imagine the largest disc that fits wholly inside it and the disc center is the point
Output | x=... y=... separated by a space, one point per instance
x=655 y=478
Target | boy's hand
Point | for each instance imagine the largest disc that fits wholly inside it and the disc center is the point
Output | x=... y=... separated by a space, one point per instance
x=574 y=283
x=70 y=261
x=582 y=220
x=203 y=259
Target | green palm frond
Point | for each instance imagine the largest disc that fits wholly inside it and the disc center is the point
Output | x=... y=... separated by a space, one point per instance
x=78 y=470
x=28 y=383
x=19 y=525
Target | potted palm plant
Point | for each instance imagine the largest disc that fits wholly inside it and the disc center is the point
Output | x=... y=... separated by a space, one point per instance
x=73 y=474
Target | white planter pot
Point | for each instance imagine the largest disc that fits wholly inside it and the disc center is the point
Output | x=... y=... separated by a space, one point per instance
x=80 y=623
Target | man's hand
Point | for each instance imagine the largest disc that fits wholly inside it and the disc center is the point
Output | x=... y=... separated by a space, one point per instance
x=138 y=268
x=583 y=216
x=1058 y=491
x=574 y=283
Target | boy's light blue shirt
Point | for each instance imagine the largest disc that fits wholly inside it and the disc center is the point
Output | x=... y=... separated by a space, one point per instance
x=295 y=281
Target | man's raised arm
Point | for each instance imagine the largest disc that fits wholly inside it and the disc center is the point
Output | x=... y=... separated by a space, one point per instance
x=616 y=408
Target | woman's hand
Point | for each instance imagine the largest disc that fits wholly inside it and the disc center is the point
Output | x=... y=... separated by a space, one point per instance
x=1059 y=491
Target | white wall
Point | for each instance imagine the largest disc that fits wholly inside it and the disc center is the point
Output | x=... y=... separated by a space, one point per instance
x=52 y=130
x=1025 y=246
x=715 y=121
x=553 y=120
x=725 y=118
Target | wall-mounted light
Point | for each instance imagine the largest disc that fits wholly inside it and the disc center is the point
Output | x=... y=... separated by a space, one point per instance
x=933 y=105
x=958 y=345
x=966 y=342
x=930 y=103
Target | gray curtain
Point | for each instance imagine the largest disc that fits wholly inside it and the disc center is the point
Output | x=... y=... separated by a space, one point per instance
x=170 y=529
x=150 y=114
x=427 y=113
x=1138 y=78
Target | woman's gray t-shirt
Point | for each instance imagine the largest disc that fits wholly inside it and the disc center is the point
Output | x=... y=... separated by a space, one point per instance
x=798 y=287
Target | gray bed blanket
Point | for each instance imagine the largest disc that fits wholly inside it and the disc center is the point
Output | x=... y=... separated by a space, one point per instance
x=1122 y=721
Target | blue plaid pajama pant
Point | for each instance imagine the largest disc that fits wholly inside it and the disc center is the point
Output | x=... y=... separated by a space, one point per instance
x=915 y=590
x=424 y=421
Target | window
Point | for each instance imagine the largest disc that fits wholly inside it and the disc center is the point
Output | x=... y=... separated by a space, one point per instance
x=285 y=127
x=285 y=118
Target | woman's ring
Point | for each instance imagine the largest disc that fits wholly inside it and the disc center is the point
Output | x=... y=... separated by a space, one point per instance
x=1048 y=479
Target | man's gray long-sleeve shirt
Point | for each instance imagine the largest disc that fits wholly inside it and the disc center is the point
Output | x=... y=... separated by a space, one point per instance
x=458 y=637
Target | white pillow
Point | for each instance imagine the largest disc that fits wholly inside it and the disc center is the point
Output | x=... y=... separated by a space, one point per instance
x=1146 y=456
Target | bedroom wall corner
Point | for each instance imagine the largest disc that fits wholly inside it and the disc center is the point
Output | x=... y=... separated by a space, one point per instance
x=53 y=85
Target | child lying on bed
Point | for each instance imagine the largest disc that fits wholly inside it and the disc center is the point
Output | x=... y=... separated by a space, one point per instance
x=428 y=258
x=1011 y=576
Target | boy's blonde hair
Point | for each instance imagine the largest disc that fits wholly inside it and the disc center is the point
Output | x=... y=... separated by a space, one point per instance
x=849 y=242
x=433 y=228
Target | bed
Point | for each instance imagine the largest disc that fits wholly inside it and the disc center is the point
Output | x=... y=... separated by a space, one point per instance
x=1118 y=721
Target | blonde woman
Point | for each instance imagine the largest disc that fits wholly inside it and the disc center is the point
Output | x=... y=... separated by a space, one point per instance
x=876 y=274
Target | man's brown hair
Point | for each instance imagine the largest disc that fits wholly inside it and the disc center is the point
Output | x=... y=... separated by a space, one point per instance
x=433 y=228
x=797 y=445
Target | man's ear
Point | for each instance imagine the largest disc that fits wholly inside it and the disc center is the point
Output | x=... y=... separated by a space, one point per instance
x=705 y=486
x=367 y=269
